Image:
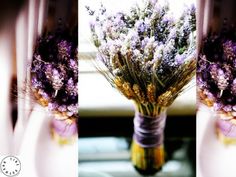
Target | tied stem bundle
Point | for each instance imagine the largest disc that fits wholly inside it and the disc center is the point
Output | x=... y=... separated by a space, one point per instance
x=150 y=58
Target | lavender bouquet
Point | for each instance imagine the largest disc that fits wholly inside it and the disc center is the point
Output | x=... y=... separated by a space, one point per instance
x=54 y=79
x=150 y=57
x=216 y=79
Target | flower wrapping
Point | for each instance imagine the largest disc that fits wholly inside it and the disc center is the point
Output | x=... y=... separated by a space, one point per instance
x=64 y=131
x=149 y=56
x=148 y=131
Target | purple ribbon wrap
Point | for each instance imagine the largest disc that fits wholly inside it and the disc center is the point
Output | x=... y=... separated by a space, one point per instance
x=149 y=131
x=227 y=128
x=63 y=129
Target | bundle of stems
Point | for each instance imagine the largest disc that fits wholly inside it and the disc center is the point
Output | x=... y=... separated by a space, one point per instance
x=149 y=54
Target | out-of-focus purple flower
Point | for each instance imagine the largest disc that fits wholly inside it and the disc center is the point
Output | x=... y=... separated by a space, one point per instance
x=71 y=87
x=52 y=106
x=35 y=83
x=233 y=87
x=202 y=64
x=45 y=96
x=234 y=107
x=62 y=108
x=218 y=106
x=222 y=80
x=57 y=80
x=64 y=49
x=216 y=65
x=227 y=108
x=73 y=108
x=229 y=49
x=54 y=62
x=214 y=71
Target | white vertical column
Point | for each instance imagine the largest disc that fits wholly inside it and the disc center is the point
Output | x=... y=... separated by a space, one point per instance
x=21 y=59
x=6 y=57
x=29 y=24
x=32 y=36
x=207 y=16
x=41 y=16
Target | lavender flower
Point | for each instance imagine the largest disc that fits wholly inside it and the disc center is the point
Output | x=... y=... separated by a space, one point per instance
x=229 y=49
x=64 y=49
x=233 y=87
x=222 y=80
x=54 y=71
x=146 y=47
x=216 y=70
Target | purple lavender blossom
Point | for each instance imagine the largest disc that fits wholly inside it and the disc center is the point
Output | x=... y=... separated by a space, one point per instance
x=35 y=83
x=180 y=58
x=147 y=46
x=64 y=49
x=227 y=108
x=233 y=87
x=218 y=106
x=216 y=69
x=62 y=108
x=229 y=49
x=141 y=26
x=234 y=108
x=52 y=106
x=54 y=70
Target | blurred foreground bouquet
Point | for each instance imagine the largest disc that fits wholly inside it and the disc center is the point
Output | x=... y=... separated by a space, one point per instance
x=54 y=80
x=150 y=57
x=216 y=79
